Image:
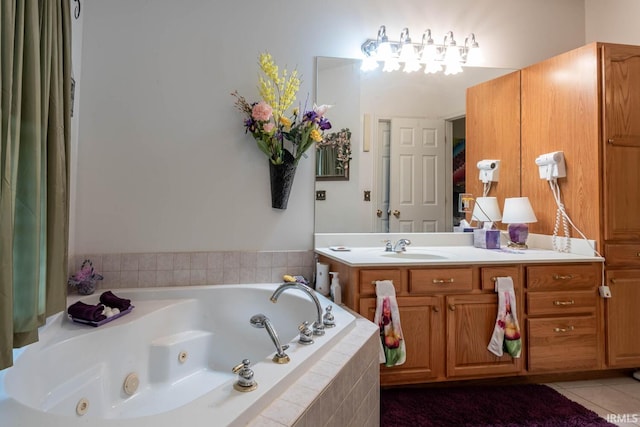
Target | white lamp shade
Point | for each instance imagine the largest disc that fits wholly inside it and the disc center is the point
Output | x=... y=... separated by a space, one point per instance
x=518 y=210
x=486 y=209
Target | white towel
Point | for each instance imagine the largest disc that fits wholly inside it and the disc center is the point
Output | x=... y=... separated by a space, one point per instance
x=387 y=317
x=506 y=333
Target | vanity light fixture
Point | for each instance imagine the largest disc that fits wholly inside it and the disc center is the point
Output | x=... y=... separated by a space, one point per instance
x=435 y=57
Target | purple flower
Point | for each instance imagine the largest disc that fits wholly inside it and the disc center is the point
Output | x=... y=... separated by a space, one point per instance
x=324 y=124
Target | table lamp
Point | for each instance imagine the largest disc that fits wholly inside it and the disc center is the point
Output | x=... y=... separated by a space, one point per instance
x=486 y=211
x=518 y=213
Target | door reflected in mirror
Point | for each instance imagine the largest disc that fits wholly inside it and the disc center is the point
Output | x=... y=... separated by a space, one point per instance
x=405 y=155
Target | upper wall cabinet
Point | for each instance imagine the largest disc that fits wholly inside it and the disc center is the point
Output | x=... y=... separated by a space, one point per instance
x=586 y=103
x=493 y=133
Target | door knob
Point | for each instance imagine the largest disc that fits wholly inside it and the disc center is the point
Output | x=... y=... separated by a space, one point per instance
x=379 y=213
x=396 y=213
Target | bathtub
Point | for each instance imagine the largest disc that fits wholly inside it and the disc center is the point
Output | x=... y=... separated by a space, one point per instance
x=175 y=350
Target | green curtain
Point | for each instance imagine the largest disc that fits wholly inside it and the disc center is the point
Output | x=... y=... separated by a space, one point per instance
x=35 y=85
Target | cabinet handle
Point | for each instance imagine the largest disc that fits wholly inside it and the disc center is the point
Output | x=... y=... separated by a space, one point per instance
x=452 y=307
x=441 y=281
x=566 y=329
x=436 y=309
x=561 y=277
x=570 y=302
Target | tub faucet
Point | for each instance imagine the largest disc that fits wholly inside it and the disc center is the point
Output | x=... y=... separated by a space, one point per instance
x=318 y=326
x=262 y=321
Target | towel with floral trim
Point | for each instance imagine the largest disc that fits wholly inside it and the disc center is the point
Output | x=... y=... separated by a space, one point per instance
x=387 y=317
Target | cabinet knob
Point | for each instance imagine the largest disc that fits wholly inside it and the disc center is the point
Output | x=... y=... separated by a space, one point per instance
x=442 y=281
x=562 y=277
x=570 y=302
x=452 y=307
x=565 y=329
x=436 y=309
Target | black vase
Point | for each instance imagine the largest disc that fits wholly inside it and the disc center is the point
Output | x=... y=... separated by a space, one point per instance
x=281 y=181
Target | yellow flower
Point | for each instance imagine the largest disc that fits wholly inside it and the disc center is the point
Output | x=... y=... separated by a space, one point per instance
x=277 y=90
x=315 y=135
x=285 y=122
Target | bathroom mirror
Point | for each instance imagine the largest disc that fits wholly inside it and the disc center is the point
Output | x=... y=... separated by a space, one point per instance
x=378 y=107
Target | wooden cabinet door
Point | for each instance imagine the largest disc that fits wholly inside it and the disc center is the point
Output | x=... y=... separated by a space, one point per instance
x=421 y=319
x=623 y=321
x=621 y=122
x=470 y=323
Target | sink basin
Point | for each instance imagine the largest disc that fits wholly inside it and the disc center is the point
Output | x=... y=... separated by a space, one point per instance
x=414 y=255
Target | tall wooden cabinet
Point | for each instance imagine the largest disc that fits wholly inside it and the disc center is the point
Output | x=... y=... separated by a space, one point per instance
x=493 y=133
x=586 y=103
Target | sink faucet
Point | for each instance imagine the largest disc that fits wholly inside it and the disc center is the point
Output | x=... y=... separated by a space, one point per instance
x=401 y=245
x=318 y=326
x=262 y=321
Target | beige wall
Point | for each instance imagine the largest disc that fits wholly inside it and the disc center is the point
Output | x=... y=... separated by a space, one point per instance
x=163 y=164
x=613 y=21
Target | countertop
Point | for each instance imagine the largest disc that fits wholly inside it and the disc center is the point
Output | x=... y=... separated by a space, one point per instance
x=432 y=249
x=450 y=255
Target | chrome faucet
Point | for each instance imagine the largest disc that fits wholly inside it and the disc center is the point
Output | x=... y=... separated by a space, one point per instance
x=401 y=245
x=318 y=326
x=262 y=321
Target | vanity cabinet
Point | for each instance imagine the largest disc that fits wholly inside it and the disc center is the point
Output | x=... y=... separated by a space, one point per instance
x=563 y=318
x=447 y=314
x=422 y=325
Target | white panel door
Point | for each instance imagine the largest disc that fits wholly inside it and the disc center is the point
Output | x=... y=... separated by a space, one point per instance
x=417 y=176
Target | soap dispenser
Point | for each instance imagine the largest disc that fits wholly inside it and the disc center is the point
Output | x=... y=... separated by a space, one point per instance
x=336 y=290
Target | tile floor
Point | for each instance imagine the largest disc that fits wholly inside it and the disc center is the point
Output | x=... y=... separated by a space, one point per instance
x=615 y=399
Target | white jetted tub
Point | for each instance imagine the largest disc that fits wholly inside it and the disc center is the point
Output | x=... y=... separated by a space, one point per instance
x=168 y=362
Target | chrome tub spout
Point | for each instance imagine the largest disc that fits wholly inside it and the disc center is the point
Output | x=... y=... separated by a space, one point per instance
x=318 y=326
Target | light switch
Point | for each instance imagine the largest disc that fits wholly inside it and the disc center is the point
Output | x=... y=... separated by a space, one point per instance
x=367 y=195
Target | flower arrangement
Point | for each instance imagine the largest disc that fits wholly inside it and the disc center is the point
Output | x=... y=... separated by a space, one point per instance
x=341 y=142
x=85 y=279
x=267 y=119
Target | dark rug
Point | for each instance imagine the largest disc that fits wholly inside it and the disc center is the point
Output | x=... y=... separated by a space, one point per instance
x=528 y=405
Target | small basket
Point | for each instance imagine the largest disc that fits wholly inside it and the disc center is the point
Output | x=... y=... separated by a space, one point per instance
x=85 y=279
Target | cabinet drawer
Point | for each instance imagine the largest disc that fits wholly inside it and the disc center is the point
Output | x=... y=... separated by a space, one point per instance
x=563 y=276
x=368 y=280
x=488 y=276
x=440 y=279
x=567 y=343
x=554 y=303
x=622 y=255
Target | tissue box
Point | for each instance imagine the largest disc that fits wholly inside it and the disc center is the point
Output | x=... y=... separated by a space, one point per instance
x=486 y=239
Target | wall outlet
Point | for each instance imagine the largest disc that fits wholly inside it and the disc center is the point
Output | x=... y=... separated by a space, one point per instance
x=321 y=195
x=605 y=291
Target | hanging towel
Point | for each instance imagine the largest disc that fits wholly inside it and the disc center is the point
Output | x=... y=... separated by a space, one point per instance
x=506 y=334
x=109 y=299
x=387 y=317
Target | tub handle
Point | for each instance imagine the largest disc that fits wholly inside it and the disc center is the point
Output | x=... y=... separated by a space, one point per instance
x=306 y=334
x=245 y=377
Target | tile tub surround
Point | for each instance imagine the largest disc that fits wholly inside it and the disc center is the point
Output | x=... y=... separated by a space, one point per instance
x=139 y=270
x=342 y=389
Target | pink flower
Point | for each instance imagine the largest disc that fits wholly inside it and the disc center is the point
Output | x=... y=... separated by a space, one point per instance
x=261 y=111
x=268 y=127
